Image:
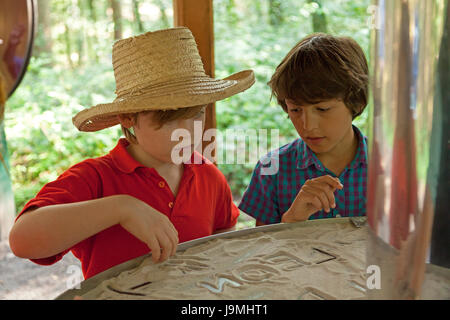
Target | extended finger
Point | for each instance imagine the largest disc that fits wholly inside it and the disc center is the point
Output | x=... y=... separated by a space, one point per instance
x=174 y=240
x=166 y=246
x=174 y=232
x=171 y=227
x=153 y=244
x=333 y=182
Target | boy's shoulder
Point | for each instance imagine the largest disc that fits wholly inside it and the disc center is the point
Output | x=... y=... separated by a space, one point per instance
x=111 y=162
x=91 y=167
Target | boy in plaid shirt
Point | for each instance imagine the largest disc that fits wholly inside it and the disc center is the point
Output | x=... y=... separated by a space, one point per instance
x=322 y=84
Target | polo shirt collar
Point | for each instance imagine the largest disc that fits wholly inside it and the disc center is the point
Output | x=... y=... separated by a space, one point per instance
x=306 y=157
x=122 y=158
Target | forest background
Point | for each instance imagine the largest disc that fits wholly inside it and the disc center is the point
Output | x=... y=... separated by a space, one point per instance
x=71 y=70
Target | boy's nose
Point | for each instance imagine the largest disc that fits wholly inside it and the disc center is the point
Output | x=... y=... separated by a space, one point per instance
x=309 y=120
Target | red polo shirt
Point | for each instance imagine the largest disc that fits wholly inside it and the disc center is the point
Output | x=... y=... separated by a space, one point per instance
x=203 y=204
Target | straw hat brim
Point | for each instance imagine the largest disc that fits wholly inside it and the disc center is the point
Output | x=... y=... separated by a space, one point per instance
x=174 y=95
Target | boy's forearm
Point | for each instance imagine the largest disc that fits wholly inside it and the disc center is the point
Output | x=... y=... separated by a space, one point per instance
x=49 y=230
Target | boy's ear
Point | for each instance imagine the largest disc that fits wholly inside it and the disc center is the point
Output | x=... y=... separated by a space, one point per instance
x=126 y=120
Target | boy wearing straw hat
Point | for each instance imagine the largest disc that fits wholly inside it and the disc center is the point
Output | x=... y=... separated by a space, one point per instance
x=322 y=84
x=136 y=198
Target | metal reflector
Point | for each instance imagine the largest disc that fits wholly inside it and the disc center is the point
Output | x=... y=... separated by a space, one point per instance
x=409 y=144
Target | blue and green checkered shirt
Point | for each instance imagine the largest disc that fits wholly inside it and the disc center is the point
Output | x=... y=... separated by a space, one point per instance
x=270 y=194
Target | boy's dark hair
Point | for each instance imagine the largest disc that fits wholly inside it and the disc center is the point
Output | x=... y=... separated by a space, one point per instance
x=322 y=67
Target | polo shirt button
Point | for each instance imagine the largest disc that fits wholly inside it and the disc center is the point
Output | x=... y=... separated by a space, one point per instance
x=170 y=205
x=338 y=215
x=161 y=184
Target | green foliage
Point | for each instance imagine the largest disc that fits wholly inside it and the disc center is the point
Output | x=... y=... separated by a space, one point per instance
x=42 y=139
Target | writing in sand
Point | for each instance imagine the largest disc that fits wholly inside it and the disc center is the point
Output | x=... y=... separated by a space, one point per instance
x=305 y=261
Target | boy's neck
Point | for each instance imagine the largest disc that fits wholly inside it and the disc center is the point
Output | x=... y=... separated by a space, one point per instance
x=150 y=162
x=143 y=158
x=171 y=172
x=337 y=159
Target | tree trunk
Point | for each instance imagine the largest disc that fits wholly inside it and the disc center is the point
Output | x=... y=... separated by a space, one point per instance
x=92 y=13
x=137 y=16
x=275 y=12
x=257 y=7
x=197 y=15
x=117 y=18
x=44 y=41
x=231 y=12
x=162 y=9
x=91 y=37
x=81 y=34
x=68 y=45
x=319 y=19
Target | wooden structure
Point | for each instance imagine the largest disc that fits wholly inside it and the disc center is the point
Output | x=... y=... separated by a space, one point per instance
x=197 y=15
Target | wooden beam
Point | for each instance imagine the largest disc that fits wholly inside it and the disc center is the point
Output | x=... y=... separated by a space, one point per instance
x=197 y=15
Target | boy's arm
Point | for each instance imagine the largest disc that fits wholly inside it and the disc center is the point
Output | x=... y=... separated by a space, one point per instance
x=49 y=230
x=316 y=194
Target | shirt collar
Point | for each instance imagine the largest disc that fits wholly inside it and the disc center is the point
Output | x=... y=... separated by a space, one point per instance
x=122 y=158
x=361 y=152
x=306 y=157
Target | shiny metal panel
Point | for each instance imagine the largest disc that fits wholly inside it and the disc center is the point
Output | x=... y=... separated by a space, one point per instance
x=407 y=140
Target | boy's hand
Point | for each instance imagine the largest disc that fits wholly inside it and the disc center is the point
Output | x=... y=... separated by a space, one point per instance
x=316 y=194
x=151 y=227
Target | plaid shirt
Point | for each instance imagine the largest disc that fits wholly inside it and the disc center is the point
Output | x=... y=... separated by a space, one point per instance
x=268 y=196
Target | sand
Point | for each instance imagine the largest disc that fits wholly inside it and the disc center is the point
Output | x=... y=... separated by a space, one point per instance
x=323 y=261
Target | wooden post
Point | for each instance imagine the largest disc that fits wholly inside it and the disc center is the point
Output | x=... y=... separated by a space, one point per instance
x=197 y=15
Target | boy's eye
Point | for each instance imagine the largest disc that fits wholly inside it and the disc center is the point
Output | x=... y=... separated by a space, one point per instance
x=323 y=109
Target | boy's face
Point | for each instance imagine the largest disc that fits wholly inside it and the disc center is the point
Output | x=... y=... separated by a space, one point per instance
x=325 y=127
x=157 y=142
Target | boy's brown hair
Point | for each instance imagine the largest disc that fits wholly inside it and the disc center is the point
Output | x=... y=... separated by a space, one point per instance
x=322 y=67
x=162 y=117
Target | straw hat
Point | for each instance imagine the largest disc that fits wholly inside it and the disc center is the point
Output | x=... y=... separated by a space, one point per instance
x=159 y=70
